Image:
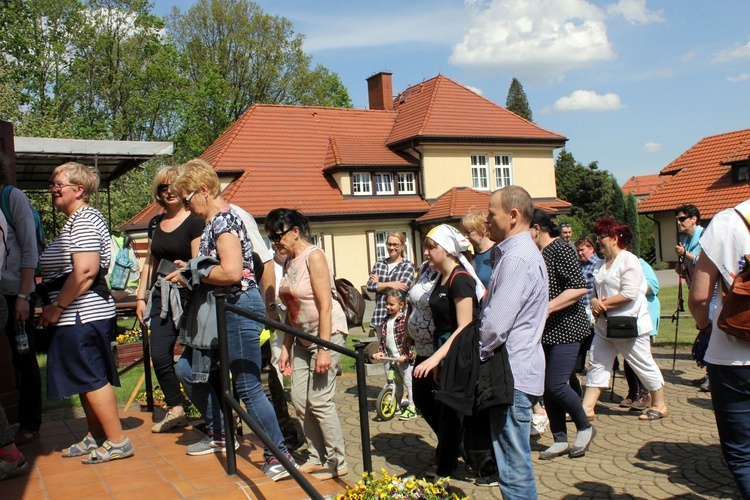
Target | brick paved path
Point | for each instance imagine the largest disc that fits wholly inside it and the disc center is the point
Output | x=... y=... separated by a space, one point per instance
x=675 y=457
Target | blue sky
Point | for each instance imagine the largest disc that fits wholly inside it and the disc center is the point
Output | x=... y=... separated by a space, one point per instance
x=631 y=83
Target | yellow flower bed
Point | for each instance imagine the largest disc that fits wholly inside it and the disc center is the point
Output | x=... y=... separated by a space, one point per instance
x=394 y=487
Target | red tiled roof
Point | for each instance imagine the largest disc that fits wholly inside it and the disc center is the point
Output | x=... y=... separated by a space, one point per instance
x=742 y=153
x=349 y=151
x=456 y=202
x=441 y=107
x=701 y=177
x=641 y=185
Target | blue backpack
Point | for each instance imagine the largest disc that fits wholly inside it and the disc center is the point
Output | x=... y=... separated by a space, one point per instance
x=41 y=242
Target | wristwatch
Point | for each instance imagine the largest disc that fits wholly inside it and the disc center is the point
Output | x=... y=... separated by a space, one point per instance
x=23 y=296
x=323 y=348
x=271 y=306
x=57 y=305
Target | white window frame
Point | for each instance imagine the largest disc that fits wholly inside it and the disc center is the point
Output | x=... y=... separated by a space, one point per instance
x=378 y=176
x=503 y=172
x=381 y=252
x=361 y=183
x=480 y=175
x=407 y=179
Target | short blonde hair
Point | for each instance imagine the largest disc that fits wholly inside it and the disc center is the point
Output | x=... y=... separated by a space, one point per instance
x=163 y=176
x=194 y=175
x=402 y=238
x=81 y=175
x=476 y=220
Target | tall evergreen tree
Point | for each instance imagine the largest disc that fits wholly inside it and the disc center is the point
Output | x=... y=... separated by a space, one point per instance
x=631 y=219
x=517 y=101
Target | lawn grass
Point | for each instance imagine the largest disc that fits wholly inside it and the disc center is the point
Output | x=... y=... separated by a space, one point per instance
x=687 y=332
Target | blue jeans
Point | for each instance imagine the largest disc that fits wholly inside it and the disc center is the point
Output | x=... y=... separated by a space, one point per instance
x=730 y=394
x=243 y=338
x=511 y=427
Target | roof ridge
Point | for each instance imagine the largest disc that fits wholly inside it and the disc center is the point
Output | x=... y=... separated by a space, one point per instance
x=233 y=132
x=430 y=105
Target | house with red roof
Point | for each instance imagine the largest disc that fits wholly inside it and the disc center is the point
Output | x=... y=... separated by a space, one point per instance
x=360 y=174
x=642 y=185
x=712 y=175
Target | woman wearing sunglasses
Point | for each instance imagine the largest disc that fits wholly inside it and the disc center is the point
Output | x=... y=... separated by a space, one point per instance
x=173 y=237
x=224 y=244
x=307 y=292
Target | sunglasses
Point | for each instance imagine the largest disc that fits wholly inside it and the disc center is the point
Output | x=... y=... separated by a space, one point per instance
x=163 y=188
x=276 y=237
x=682 y=218
x=186 y=201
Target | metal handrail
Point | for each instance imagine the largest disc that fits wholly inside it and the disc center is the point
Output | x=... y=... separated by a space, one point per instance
x=229 y=403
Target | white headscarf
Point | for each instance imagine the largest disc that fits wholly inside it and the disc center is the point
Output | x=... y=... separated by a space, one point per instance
x=454 y=243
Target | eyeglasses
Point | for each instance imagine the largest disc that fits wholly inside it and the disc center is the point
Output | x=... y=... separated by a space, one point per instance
x=186 y=201
x=600 y=237
x=276 y=237
x=162 y=188
x=682 y=218
x=393 y=245
x=59 y=185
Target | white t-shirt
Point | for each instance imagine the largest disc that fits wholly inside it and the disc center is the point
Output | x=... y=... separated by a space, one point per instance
x=725 y=242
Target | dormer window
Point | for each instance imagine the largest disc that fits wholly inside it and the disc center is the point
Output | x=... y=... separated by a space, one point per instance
x=361 y=183
x=384 y=183
x=741 y=173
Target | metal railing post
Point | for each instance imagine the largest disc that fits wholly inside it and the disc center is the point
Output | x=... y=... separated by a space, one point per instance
x=226 y=391
x=363 y=417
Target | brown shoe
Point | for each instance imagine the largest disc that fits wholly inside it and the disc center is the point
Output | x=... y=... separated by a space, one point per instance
x=310 y=467
x=643 y=402
x=327 y=473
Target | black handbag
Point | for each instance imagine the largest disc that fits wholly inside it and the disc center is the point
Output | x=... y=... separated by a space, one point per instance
x=622 y=327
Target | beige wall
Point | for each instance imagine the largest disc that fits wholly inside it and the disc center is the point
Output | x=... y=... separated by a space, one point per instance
x=343 y=179
x=666 y=233
x=448 y=167
x=350 y=250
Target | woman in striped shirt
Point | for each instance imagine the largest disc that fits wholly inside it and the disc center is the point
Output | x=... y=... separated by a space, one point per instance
x=80 y=310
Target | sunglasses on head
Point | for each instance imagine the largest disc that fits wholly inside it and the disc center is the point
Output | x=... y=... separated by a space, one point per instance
x=276 y=237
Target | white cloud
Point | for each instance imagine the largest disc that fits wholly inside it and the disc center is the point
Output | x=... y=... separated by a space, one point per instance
x=652 y=147
x=729 y=55
x=739 y=78
x=635 y=12
x=476 y=90
x=366 y=29
x=538 y=40
x=689 y=56
x=588 y=100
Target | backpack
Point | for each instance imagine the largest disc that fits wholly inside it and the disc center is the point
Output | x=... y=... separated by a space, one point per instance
x=735 y=311
x=476 y=445
x=351 y=301
x=41 y=241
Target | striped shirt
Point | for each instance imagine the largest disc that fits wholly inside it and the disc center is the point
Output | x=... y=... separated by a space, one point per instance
x=515 y=311
x=85 y=231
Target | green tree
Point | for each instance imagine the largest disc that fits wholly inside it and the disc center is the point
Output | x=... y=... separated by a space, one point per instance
x=235 y=55
x=632 y=220
x=517 y=101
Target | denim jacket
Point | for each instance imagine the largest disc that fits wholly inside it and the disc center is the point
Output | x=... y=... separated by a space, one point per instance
x=198 y=328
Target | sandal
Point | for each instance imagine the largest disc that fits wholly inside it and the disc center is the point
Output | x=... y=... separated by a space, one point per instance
x=83 y=447
x=108 y=451
x=653 y=415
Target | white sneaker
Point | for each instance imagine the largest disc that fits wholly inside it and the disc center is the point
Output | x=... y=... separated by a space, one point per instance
x=170 y=421
x=538 y=424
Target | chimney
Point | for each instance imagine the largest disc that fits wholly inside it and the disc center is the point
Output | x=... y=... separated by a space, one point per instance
x=380 y=91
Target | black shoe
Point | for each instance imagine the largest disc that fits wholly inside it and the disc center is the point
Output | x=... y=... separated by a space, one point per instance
x=549 y=455
x=576 y=452
x=699 y=381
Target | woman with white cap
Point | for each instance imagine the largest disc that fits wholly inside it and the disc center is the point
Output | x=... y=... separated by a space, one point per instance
x=454 y=303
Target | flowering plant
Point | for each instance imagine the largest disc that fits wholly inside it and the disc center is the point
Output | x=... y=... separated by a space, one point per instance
x=190 y=410
x=130 y=336
x=394 y=487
